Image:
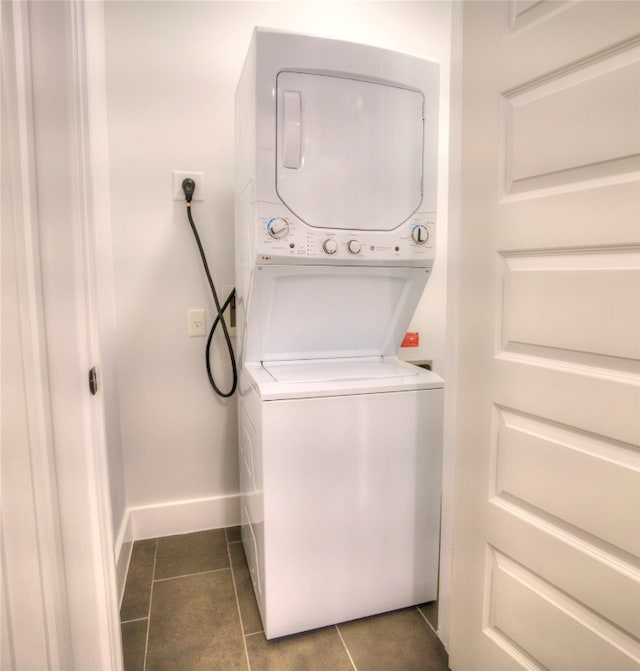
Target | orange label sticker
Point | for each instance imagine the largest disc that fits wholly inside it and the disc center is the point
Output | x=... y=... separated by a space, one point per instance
x=411 y=339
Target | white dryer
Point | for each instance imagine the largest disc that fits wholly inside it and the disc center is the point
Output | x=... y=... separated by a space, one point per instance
x=340 y=442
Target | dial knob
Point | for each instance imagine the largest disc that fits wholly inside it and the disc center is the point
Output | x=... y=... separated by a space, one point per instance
x=354 y=246
x=278 y=228
x=330 y=246
x=420 y=234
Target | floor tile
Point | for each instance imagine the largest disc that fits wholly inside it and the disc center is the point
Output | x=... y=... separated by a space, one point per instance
x=246 y=597
x=320 y=650
x=401 y=641
x=135 y=603
x=134 y=641
x=233 y=534
x=195 y=623
x=191 y=553
x=195 y=626
x=430 y=611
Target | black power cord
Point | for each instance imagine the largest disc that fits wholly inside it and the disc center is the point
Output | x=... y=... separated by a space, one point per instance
x=189 y=186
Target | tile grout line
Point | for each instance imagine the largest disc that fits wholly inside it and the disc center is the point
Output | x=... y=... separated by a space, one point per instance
x=190 y=575
x=153 y=575
x=235 y=592
x=424 y=617
x=135 y=619
x=353 y=664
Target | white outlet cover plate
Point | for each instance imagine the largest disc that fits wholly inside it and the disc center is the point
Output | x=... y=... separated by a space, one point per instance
x=180 y=176
x=197 y=322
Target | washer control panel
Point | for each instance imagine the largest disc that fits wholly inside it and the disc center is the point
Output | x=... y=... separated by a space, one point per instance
x=283 y=238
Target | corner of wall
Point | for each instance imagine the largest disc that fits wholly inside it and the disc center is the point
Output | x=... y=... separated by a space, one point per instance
x=168 y=519
x=186 y=516
x=122 y=552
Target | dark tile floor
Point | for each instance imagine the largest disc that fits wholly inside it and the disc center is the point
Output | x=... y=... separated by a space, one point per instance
x=189 y=605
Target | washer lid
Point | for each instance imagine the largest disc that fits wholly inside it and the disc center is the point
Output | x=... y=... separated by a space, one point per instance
x=283 y=380
x=338 y=371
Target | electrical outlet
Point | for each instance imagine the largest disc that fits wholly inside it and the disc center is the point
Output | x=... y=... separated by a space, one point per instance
x=230 y=312
x=197 y=322
x=179 y=177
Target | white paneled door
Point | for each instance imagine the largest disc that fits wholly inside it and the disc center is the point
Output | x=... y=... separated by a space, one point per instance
x=546 y=568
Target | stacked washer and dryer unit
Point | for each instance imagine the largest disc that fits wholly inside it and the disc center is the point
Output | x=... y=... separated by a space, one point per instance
x=340 y=441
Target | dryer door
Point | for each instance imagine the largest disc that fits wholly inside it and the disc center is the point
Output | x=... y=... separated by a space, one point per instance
x=349 y=152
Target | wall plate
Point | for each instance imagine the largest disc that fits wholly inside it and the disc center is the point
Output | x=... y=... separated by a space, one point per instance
x=197 y=322
x=197 y=177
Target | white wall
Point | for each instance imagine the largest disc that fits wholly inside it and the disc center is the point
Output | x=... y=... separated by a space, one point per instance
x=171 y=69
x=102 y=243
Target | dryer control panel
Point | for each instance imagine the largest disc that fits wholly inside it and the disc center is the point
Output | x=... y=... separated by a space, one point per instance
x=283 y=238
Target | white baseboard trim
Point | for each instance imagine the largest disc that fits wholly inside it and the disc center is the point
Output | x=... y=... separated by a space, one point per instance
x=181 y=517
x=122 y=551
x=169 y=519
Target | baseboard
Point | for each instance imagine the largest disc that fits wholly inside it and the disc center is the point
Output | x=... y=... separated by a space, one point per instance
x=181 y=517
x=122 y=550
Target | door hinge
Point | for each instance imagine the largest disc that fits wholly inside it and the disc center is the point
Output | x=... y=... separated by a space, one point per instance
x=93 y=381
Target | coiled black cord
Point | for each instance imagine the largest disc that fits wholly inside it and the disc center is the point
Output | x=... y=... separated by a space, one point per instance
x=188 y=186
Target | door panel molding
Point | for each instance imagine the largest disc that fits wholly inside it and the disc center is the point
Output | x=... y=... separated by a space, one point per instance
x=575 y=127
x=517 y=597
x=564 y=555
x=534 y=459
x=524 y=14
x=549 y=300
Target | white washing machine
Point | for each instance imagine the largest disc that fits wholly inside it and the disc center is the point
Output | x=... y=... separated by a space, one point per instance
x=340 y=441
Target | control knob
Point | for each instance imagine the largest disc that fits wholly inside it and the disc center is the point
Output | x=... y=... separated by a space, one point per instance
x=420 y=234
x=354 y=246
x=330 y=246
x=278 y=228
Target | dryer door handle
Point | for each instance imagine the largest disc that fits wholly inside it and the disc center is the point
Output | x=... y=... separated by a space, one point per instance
x=292 y=129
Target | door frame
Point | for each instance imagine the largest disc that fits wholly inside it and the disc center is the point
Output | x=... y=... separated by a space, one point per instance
x=67 y=475
x=452 y=144
x=35 y=626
